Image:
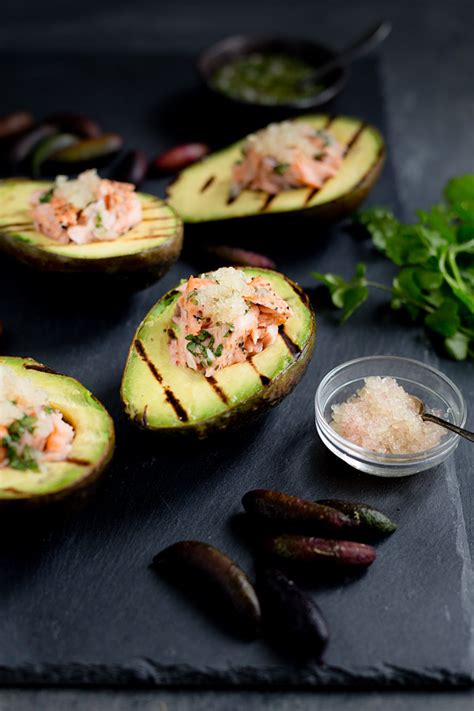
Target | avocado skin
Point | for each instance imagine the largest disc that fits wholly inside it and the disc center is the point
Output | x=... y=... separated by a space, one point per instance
x=240 y=415
x=146 y=266
x=41 y=505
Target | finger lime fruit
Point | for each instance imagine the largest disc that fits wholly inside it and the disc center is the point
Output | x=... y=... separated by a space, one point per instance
x=213 y=567
x=308 y=549
x=370 y=520
x=290 y=615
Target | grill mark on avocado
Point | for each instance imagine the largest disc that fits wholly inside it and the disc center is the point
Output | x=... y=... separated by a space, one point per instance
x=231 y=199
x=354 y=138
x=16 y=225
x=76 y=460
x=268 y=201
x=208 y=183
x=181 y=413
x=263 y=378
x=312 y=192
x=217 y=389
x=40 y=367
x=372 y=167
x=293 y=347
x=329 y=122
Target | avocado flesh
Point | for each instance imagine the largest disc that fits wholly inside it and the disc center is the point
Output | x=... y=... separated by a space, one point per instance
x=159 y=395
x=154 y=243
x=201 y=192
x=92 y=446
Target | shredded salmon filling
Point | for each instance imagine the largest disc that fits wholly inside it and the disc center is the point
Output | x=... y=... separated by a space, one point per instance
x=31 y=430
x=284 y=156
x=87 y=209
x=223 y=318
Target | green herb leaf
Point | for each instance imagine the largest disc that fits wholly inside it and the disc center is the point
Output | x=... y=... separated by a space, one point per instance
x=46 y=197
x=457 y=346
x=428 y=279
x=352 y=299
x=281 y=168
x=460 y=190
x=435 y=282
x=380 y=223
x=18 y=427
x=346 y=295
x=445 y=320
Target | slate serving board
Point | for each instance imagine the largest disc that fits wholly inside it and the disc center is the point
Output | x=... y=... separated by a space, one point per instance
x=79 y=604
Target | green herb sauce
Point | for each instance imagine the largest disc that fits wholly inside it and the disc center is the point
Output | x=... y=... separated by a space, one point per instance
x=267 y=79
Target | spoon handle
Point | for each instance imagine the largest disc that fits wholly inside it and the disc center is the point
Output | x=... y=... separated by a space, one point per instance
x=363 y=46
x=448 y=425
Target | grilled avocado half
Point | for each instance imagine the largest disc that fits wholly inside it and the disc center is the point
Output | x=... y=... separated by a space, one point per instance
x=92 y=446
x=161 y=396
x=149 y=248
x=201 y=192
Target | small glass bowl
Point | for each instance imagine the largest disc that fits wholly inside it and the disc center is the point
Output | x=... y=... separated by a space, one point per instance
x=438 y=393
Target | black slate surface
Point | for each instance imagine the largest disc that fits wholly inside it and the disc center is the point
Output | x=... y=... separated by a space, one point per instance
x=79 y=604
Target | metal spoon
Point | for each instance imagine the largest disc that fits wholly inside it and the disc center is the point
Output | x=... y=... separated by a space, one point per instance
x=428 y=417
x=363 y=46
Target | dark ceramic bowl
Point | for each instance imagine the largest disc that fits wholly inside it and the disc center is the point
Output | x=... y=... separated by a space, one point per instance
x=231 y=48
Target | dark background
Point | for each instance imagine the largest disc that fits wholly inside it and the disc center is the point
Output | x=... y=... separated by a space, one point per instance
x=427 y=73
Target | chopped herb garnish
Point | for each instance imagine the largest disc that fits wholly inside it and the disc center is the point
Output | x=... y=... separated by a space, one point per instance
x=281 y=168
x=21 y=460
x=202 y=346
x=18 y=457
x=18 y=427
x=192 y=297
x=324 y=136
x=98 y=221
x=46 y=197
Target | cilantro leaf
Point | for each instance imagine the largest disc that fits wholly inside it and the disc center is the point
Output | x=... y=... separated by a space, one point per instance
x=435 y=256
x=445 y=320
x=346 y=295
x=457 y=346
x=352 y=299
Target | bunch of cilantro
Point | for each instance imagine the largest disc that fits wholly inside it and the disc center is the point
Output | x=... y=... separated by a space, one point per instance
x=435 y=284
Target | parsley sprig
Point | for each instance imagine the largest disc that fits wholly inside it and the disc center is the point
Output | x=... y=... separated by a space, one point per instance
x=435 y=283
